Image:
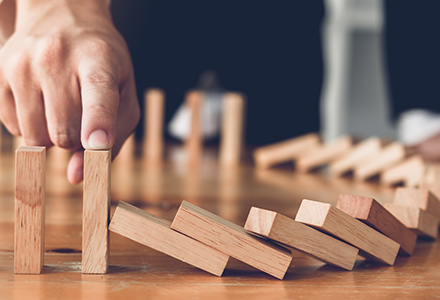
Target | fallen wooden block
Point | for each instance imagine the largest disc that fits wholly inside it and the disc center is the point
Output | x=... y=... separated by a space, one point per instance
x=410 y=172
x=324 y=154
x=418 y=197
x=96 y=210
x=301 y=237
x=231 y=239
x=372 y=213
x=388 y=157
x=153 y=125
x=371 y=243
x=421 y=222
x=267 y=156
x=30 y=194
x=154 y=232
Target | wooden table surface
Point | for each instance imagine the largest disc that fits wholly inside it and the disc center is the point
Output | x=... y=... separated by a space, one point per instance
x=137 y=272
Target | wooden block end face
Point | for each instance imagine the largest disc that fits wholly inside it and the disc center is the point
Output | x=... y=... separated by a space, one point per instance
x=260 y=221
x=358 y=207
x=312 y=213
x=412 y=196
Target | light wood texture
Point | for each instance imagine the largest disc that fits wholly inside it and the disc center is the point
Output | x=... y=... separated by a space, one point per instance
x=154 y=232
x=431 y=179
x=231 y=239
x=421 y=222
x=388 y=157
x=194 y=142
x=371 y=243
x=96 y=210
x=232 y=129
x=154 y=108
x=418 y=197
x=268 y=156
x=372 y=213
x=410 y=172
x=293 y=234
x=324 y=154
x=30 y=194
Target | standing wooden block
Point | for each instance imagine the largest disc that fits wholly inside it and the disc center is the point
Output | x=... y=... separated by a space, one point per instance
x=267 y=156
x=324 y=154
x=410 y=172
x=372 y=213
x=231 y=239
x=96 y=210
x=127 y=154
x=154 y=232
x=419 y=221
x=418 y=197
x=301 y=237
x=194 y=142
x=232 y=129
x=153 y=125
x=30 y=194
x=371 y=243
x=388 y=157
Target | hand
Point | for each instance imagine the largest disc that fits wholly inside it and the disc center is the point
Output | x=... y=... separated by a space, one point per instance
x=66 y=79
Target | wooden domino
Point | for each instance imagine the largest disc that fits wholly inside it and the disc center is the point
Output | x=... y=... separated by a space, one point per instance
x=231 y=239
x=232 y=129
x=372 y=213
x=421 y=222
x=154 y=232
x=324 y=154
x=153 y=125
x=410 y=172
x=194 y=142
x=296 y=235
x=371 y=243
x=418 y=197
x=267 y=156
x=96 y=210
x=127 y=153
x=30 y=194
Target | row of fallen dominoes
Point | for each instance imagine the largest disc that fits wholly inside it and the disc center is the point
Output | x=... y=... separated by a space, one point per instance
x=335 y=235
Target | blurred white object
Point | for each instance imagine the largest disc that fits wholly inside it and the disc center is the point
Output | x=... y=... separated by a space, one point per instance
x=418 y=125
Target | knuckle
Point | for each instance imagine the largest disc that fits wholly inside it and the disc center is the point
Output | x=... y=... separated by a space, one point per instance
x=100 y=79
x=100 y=47
x=64 y=140
x=50 y=51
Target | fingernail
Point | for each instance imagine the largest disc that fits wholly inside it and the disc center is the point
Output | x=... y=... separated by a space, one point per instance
x=98 y=140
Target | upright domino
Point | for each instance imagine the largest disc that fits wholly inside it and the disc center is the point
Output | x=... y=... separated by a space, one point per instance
x=232 y=129
x=231 y=239
x=194 y=142
x=301 y=237
x=96 y=210
x=372 y=213
x=30 y=194
x=371 y=243
x=410 y=172
x=127 y=155
x=153 y=125
x=418 y=197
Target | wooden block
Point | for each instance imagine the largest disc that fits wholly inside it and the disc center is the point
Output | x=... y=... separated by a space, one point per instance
x=154 y=232
x=231 y=239
x=30 y=194
x=418 y=197
x=421 y=222
x=96 y=210
x=372 y=213
x=232 y=129
x=360 y=152
x=153 y=125
x=410 y=172
x=388 y=157
x=267 y=156
x=127 y=155
x=324 y=154
x=371 y=243
x=296 y=235
x=194 y=142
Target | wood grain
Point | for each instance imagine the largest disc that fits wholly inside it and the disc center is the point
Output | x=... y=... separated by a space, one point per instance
x=231 y=239
x=154 y=108
x=30 y=195
x=410 y=172
x=418 y=197
x=371 y=243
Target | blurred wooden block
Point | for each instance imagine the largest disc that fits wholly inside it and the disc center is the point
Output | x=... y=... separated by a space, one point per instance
x=418 y=197
x=232 y=129
x=96 y=210
x=127 y=154
x=231 y=239
x=30 y=195
x=371 y=243
x=293 y=234
x=154 y=232
x=388 y=157
x=154 y=108
x=410 y=172
x=364 y=150
x=372 y=213
x=194 y=142
x=267 y=156
x=421 y=222
x=324 y=154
